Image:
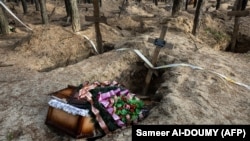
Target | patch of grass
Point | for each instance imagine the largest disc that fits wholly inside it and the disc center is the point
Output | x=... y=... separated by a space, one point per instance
x=9 y=136
x=217 y=35
x=13 y=135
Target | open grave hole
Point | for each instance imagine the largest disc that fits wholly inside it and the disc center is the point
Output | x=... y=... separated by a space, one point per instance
x=242 y=44
x=134 y=80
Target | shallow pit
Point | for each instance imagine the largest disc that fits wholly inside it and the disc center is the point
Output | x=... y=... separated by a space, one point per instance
x=242 y=45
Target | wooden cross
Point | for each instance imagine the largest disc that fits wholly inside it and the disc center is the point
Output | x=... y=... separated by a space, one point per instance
x=159 y=43
x=97 y=19
x=237 y=14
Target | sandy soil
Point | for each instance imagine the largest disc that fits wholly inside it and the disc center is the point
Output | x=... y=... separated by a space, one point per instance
x=34 y=64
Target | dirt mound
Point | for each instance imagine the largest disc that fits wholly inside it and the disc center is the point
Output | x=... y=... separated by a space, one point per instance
x=51 y=47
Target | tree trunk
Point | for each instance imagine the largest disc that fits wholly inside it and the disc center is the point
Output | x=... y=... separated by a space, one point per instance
x=100 y=3
x=25 y=8
x=97 y=27
x=177 y=5
x=195 y=3
x=45 y=19
x=68 y=8
x=218 y=4
x=198 y=15
x=156 y=2
x=37 y=5
x=4 y=26
x=186 y=6
x=76 y=25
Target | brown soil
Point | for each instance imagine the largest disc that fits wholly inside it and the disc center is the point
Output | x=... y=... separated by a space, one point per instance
x=34 y=64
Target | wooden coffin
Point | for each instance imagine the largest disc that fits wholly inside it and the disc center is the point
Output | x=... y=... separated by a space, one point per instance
x=74 y=125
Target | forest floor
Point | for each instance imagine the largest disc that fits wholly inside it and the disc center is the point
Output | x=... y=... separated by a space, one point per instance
x=36 y=63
